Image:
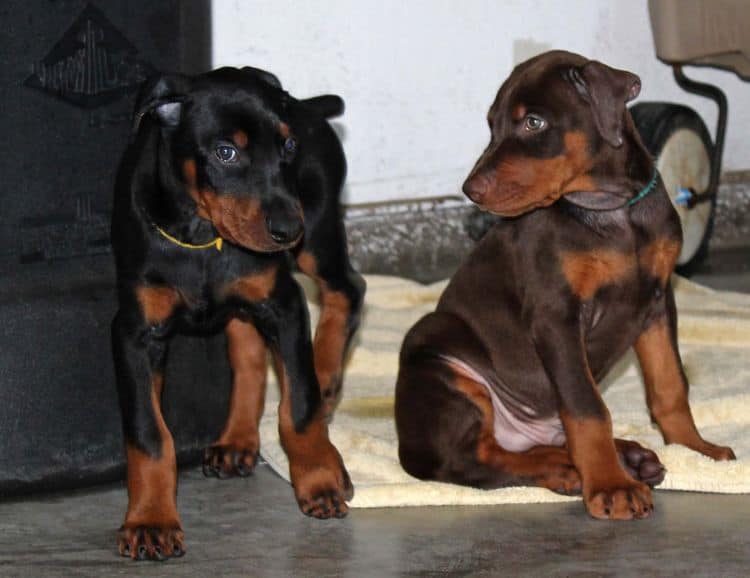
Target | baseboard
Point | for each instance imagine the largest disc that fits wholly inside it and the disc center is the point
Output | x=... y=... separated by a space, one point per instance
x=426 y=239
x=732 y=223
x=422 y=240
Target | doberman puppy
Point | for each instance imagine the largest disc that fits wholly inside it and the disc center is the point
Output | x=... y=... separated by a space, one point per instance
x=229 y=179
x=498 y=387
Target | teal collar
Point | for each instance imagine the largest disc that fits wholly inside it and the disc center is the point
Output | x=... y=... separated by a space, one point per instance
x=645 y=190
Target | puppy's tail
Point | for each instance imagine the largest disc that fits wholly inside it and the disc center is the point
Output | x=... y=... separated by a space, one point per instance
x=326 y=105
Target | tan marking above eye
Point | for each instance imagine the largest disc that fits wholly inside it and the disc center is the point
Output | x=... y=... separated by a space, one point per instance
x=588 y=271
x=241 y=139
x=518 y=112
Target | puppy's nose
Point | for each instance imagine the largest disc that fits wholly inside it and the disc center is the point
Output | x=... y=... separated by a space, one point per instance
x=284 y=229
x=476 y=187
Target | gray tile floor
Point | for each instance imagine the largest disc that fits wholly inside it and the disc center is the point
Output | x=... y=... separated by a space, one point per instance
x=251 y=527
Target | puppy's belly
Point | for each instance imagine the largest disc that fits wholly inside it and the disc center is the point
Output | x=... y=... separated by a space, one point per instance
x=515 y=429
x=518 y=434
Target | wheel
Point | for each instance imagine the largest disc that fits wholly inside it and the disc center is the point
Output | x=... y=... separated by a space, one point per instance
x=679 y=141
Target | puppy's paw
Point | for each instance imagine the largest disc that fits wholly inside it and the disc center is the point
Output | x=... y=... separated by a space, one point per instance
x=225 y=461
x=323 y=489
x=640 y=463
x=718 y=453
x=151 y=542
x=561 y=476
x=619 y=500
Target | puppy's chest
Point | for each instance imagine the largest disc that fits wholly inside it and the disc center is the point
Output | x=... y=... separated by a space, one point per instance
x=206 y=295
x=613 y=280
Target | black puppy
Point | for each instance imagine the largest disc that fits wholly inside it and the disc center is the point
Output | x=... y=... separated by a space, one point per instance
x=227 y=176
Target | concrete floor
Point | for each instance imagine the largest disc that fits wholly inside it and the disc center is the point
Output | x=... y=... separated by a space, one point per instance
x=251 y=527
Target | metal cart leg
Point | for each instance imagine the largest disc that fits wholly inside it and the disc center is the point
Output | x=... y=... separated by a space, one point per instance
x=718 y=96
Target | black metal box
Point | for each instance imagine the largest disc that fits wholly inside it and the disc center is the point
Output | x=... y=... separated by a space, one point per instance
x=69 y=74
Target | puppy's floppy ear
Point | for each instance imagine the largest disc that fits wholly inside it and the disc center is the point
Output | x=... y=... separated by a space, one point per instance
x=606 y=90
x=264 y=75
x=162 y=96
x=326 y=105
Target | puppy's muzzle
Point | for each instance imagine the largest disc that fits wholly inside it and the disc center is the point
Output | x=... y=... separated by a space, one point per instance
x=476 y=187
x=254 y=225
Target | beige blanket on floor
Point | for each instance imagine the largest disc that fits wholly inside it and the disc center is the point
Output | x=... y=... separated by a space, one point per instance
x=714 y=333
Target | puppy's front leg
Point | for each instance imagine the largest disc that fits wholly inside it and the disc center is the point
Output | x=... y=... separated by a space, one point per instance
x=152 y=525
x=608 y=491
x=321 y=483
x=236 y=450
x=667 y=386
x=342 y=292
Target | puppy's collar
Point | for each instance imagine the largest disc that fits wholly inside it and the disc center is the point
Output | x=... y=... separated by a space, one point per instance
x=645 y=190
x=218 y=242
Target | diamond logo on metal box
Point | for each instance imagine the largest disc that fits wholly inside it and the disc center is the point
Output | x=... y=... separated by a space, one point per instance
x=93 y=64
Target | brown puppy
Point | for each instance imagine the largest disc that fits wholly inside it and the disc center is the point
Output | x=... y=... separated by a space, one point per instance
x=498 y=386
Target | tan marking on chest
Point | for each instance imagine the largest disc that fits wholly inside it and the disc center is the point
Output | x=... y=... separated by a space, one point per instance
x=255 y=287
x=588 y=271
x=308 y=263
x=659 y=258
x=157 y=303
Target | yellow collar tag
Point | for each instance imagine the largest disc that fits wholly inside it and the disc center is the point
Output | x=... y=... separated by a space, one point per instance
x=218 y=242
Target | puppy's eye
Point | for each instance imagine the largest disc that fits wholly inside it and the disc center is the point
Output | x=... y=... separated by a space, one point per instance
x=226 y=154
x=290 y=146
x=534 y=123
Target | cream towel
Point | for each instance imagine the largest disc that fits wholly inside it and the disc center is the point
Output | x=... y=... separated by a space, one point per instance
x=714 y=333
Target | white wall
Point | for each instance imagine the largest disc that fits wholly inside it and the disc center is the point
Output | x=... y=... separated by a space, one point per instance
x=419 y=75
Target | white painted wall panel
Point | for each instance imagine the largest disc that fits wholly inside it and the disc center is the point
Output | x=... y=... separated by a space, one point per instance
x=419 y=75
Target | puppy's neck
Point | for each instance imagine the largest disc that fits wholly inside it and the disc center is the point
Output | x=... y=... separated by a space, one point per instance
x=168 y=204
x=628 y=170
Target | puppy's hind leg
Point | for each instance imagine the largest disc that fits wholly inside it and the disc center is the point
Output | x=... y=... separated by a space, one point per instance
x=445 y=421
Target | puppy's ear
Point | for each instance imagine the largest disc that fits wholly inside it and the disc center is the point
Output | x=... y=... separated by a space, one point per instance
x=163 y=97
x=606 y=90
x=326 y=105
x=264 y=75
